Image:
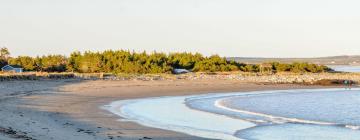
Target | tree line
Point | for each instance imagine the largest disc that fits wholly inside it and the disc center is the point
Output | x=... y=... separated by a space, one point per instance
x=123 y=61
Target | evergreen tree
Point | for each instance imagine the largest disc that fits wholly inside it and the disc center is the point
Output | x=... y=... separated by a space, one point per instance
x=124 y=61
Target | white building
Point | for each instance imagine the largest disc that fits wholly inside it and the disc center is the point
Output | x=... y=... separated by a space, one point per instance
x=12 y=68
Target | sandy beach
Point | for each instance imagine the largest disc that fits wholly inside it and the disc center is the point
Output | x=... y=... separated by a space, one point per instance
x=71 y=109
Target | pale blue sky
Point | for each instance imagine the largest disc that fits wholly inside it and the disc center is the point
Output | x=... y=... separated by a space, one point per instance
x=261 y=28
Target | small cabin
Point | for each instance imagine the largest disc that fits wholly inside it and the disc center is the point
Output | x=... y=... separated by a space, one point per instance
x=12 y=68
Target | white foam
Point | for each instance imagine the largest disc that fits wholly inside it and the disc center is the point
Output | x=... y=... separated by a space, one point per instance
x=220 y=103
x=353 y=127
x=276 y=119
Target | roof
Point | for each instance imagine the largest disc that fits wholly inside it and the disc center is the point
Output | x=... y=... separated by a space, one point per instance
x=13 y=66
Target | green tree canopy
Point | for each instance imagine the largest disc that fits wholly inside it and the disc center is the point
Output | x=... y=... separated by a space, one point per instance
x=124 y=61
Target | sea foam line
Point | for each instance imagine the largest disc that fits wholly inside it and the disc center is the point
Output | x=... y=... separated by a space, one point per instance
x=276 y=119
x=220 y=104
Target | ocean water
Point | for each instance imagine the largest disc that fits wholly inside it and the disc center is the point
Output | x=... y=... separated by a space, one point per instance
x=171 y=113
x=271 y=115
x=345 y=68
x=335 y=107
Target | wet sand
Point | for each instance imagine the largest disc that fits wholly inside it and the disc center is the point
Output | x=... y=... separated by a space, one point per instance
x=71 y=109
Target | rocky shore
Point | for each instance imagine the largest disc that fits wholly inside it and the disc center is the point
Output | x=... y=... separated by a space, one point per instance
x=279 y=78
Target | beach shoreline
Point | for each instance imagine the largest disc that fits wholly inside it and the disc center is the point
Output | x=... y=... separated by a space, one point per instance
x=50 y=109
x=216 y=116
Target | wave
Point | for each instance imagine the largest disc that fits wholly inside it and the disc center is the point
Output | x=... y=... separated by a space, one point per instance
x=275 y=119
x=222 y=103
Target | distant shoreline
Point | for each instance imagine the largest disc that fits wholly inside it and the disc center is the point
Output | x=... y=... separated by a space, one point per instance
x=329 y=60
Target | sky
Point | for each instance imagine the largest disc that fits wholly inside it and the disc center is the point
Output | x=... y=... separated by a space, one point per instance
x=243 y=28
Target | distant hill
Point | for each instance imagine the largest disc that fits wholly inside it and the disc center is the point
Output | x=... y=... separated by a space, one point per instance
x=331 y=60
